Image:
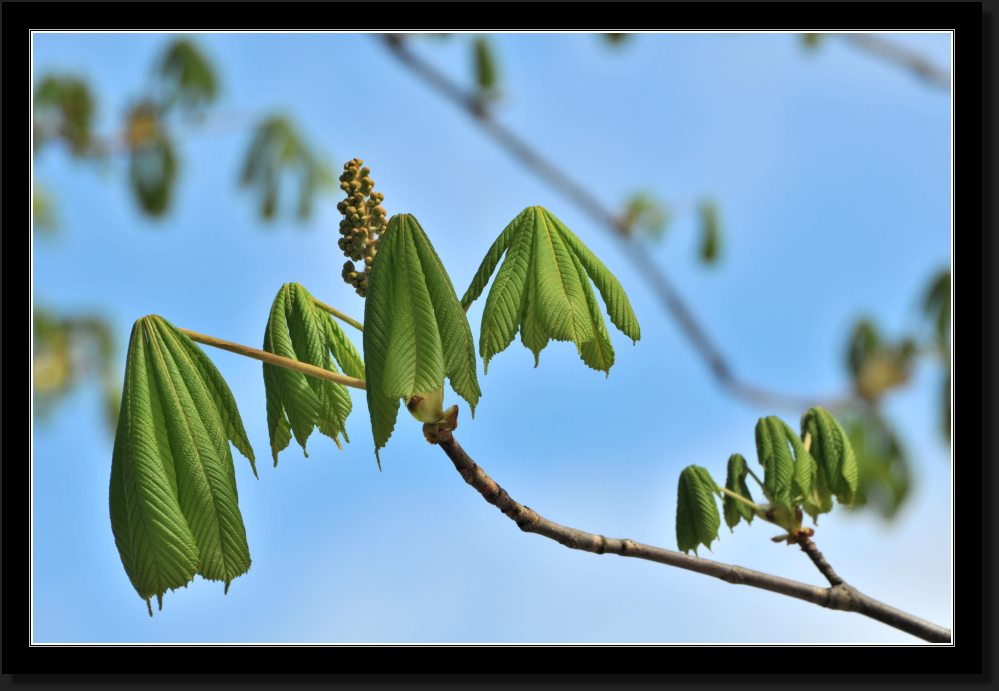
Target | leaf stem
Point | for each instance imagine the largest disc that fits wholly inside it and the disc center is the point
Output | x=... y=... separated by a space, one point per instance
x=758 y=480
x=271 y=358
x=739 y=497
x=338 y=314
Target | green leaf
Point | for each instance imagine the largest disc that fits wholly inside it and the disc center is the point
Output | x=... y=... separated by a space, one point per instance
x=833 y=453
x=735 y=481
x=697 y=519
x=543 y=290
x=187 y=78
x=152 y=173
x=343 y=349
x=945 y=414
x=415 y=331
x=485 y=65
x=64 y=108
x=278 y=151
x=646 y=213
x=775 y=457
x=936 y=305
x=173 y=498
x=710 y=232
x=296 y=404
x=884 y=477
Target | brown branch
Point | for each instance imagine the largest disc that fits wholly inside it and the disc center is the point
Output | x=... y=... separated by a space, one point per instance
x=262 y=355
x=809 y=548
x=840 y=596
x=664 y=290
x=899 y=55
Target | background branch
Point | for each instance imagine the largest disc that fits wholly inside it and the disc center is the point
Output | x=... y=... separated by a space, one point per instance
x=664 y=290
x=840 y=596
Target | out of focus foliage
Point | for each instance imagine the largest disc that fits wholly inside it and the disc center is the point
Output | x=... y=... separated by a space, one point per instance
x=64 y=110
x=69 y=350
x=277 y=152
x=187 y=78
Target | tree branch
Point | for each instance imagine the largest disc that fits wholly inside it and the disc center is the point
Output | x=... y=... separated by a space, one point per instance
x=899 y=55
x=262 y=355
x=667 y=294
x=840 y=596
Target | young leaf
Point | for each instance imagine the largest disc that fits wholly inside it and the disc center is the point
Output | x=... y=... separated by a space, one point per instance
x=485 y=65
x=735 y=481
x=710 y=232
x=296 y=404
x=415 y=331
x=152 y=169
x=277 y=149
x=936 y=305
x=697 y=519
x=543 y=290
x=884 y=477
x=833 y=453
x=187 y=77
x=774 y=456
x=173 y=499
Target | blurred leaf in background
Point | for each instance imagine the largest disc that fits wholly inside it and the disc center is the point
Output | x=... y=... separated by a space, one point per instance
x=811 y=42
x=69 y=351
x=710 y=231
x=277 y=148
x=486 y=71
x=187 y=79
x=875 y=365
x=615 y=39
x=645 y=212
x=152 y=169
x=936 y=308
x=884 y=476
x=43 y=210
x=64 y=109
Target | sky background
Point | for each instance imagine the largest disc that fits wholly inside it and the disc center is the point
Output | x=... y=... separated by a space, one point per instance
x=832 y=171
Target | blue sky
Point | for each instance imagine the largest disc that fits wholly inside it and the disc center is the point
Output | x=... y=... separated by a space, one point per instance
x=832 y=171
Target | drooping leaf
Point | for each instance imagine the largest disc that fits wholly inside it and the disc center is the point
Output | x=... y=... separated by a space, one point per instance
x=296 y=404
x=64 y=108
x=884 y=477
x=152 y=168
x=278 y=151
x=646 y=213
x=485 y=65
x=936 y=305
x=945 y=414
x=697 y=519
x=710 y=232
x=187 y=77
x=833 y=453
x=811 y=41
x=542 y=289
x=415 y=331
x=735 y=481
x=173 y=498
x=775 y=457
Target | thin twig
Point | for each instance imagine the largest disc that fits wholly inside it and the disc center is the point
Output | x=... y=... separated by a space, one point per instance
x=338 y=314
x=271 y=358
x=809 y=548
x=899 y=55
x=840 y=596
x=582 y=198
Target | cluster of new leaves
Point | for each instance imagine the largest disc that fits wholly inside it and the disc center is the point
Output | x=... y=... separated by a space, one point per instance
x=878 y=366
x=276 y=151
x=542 y=289
x=801 y=474
x=173 y=499
x=298 y=329
x=415 y=331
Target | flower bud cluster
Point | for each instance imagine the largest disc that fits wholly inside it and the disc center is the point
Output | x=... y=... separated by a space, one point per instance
x=363 y=222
